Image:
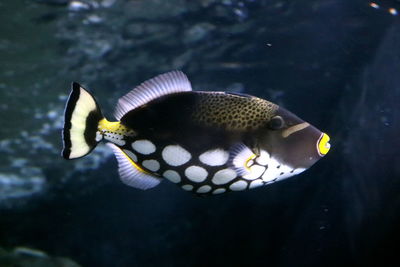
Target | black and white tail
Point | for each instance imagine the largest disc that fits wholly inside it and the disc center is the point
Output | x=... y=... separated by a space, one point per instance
x=81 y=119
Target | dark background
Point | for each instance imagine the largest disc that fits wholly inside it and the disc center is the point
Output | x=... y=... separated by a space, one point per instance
x=336 y=64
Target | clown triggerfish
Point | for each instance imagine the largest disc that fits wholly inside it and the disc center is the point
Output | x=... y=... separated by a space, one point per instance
x=205 y=142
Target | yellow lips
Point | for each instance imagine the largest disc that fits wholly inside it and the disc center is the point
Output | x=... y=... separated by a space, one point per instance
x=323 y=145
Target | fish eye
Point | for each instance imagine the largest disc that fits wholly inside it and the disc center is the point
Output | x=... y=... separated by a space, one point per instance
x=276 y=123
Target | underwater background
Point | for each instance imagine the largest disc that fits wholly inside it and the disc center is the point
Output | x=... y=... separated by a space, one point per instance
x=335 y=63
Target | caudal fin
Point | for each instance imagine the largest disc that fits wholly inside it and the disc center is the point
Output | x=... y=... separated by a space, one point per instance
x=81 y=118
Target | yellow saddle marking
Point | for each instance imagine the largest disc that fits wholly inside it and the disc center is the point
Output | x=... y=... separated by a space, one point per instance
x=114 y=127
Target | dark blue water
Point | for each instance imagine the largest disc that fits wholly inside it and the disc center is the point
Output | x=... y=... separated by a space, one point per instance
x=334 y=63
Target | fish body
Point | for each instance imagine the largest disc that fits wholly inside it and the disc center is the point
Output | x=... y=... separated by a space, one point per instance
x=205 y=142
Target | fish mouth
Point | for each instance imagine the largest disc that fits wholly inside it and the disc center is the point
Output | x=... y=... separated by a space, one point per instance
x=323 y=144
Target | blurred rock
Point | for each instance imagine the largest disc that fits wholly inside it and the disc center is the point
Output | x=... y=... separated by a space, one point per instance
x=78 y=6
x=53 y=2
x=153 y=9
x=14 y=186
x=371 y=150
x=198 y=33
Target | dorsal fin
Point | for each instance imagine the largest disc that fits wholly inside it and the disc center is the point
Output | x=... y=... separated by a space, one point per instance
x=163 y=84
x=130 y=173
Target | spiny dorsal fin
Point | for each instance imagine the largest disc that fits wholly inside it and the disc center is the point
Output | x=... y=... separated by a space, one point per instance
x=164 y=84
x=130 y=173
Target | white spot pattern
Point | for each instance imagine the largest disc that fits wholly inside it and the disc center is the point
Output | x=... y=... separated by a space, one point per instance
x=288 y=173
x=144 y=147
x=204 y=189
x=173 y=176
x=187 y=187
x=299 y=170
x=255 y=172
x=196 y=174
x=99 y=136
x=151 y=164
x=256 y=183
x=115 y=138
x=216 y=157
x=285 y=172
x=218 y=191
x=119 y=142
x=175 y=155
x=263 y=158
x=273 y=171
x=223 y=176
x=238 y=186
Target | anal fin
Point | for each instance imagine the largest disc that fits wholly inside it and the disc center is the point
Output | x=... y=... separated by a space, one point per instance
x=130 y=173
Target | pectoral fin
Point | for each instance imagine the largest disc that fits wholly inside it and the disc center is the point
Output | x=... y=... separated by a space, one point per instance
x=243 y=161
x=240 y=158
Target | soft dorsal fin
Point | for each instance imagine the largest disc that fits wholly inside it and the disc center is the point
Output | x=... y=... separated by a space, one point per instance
x=163 y=84
x=130 y=173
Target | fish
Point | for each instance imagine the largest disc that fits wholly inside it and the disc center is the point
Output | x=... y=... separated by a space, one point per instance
x=205 y=142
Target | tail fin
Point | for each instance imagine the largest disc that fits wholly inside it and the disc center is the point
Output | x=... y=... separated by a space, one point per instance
x=81 y=118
